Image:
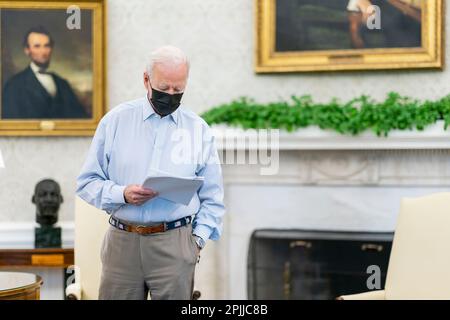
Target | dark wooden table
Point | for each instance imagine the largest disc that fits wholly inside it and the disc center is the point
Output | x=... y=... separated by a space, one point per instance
x=49 y=258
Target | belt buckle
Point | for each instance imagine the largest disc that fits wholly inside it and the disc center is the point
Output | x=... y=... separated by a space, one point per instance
x=139 y=229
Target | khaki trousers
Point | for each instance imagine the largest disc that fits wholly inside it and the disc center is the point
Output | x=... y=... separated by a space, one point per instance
x=162 y=264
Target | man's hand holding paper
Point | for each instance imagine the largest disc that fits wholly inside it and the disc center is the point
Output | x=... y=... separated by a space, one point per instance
x=138 y=195
x=176 y=189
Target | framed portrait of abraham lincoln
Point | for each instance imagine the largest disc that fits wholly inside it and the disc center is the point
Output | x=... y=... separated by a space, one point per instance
x=334 y=35
x=52 y=70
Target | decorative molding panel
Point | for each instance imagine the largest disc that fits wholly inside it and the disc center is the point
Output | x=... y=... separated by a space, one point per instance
x=350 y=167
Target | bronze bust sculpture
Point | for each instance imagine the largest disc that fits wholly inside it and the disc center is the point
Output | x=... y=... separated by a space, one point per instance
x=47 y=198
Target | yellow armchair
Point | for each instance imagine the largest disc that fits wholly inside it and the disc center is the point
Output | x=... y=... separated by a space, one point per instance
x=90 y=227
x=419 y=264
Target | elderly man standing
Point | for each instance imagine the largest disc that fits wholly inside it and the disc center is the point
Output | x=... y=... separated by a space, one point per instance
x=153 y=244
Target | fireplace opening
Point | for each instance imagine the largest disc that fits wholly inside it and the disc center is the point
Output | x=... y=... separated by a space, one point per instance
x=315 y=265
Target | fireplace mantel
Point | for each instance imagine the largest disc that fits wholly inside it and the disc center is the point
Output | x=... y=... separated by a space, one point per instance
x=313 y=138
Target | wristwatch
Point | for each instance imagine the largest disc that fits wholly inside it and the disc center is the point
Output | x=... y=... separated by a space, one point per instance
x=200 y=242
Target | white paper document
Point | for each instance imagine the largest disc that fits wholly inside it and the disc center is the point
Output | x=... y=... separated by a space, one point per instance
x=176 y=189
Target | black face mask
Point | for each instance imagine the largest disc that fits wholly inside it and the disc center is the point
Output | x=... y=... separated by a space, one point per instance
x=165 y=103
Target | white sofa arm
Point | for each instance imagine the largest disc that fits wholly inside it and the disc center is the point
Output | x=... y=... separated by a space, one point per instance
x=371 y=295
x=73 y=291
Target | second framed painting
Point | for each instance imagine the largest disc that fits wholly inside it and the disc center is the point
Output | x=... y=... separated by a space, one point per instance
x=52 y=70
x=333 y=35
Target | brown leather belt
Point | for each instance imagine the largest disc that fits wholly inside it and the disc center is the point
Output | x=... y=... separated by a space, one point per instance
x=145 y=230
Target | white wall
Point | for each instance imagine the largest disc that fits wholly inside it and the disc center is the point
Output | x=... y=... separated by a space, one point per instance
x=218 y=36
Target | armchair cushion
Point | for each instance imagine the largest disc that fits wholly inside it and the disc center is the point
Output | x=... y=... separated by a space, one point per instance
x=371 y=295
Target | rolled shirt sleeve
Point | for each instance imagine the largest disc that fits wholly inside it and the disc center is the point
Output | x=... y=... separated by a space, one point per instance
x=93 y=183
x=208 y=221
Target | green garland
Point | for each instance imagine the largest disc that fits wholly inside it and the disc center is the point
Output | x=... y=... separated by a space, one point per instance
x=353 y=117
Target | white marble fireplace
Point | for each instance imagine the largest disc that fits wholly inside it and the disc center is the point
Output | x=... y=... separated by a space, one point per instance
x=325 y=182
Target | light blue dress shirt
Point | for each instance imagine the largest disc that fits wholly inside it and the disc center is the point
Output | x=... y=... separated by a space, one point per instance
x=133 y=142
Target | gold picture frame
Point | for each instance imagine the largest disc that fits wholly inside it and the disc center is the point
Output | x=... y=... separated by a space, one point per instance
x=270 y=60
x=78 y=55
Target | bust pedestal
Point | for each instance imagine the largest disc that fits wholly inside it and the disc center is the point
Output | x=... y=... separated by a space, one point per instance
x=47 y=237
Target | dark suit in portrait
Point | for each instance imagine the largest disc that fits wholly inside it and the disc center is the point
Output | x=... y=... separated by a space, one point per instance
x=36 y=93
x=24 y=97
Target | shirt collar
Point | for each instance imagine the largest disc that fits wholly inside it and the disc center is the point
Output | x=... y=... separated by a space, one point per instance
x=38 y=70
x=148 y=111
x=34 y=67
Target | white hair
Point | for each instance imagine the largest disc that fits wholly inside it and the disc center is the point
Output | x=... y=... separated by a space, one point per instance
x=168 y=55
